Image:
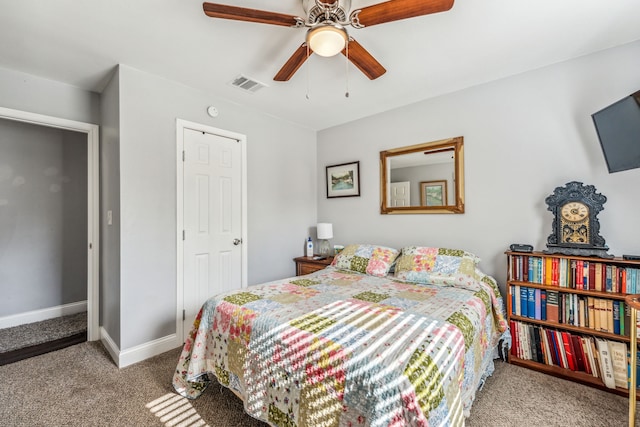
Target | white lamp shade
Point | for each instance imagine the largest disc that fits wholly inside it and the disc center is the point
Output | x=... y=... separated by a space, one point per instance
x=325 y=230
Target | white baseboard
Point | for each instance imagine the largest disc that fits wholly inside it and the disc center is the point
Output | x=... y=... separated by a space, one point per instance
x=43 y=314
x=140 y=352
x=110 y=345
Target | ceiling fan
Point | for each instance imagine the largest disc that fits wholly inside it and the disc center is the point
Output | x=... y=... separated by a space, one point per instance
x=326 y=21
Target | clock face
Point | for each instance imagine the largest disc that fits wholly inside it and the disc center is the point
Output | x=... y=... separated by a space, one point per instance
x=574 y=212
x=574 y=223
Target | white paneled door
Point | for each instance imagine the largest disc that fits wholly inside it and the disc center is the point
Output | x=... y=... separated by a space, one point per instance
x=212 y=217
x=400 y=195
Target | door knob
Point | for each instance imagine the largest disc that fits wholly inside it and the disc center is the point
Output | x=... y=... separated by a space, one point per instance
x=237 y=241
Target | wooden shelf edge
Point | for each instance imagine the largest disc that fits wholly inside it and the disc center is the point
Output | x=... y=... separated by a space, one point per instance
x=575 y=376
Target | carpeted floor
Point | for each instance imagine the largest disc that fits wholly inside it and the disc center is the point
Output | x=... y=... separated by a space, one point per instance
x=41 y=332
x=81 y=386
x=32 y=339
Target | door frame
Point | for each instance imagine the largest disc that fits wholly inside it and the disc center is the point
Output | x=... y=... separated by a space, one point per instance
x=93 y=203
x=181 y=125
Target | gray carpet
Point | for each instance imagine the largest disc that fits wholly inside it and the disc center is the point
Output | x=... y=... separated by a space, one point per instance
x=40 y=332
x=81 y=386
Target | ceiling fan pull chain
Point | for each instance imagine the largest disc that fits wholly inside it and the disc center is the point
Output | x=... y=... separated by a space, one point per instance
x=307 y=65
x=346 y=94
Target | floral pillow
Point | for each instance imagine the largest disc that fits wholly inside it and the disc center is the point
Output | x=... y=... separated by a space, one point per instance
x=368 y=259
x=442 y=266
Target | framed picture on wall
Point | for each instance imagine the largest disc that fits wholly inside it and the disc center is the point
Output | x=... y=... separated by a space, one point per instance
x=343 y=180
x=433 y=193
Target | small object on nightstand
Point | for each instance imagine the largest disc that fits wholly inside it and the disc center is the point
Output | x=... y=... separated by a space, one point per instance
x=309 y=247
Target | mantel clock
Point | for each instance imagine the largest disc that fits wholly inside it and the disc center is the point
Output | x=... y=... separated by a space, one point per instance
x=576 y=230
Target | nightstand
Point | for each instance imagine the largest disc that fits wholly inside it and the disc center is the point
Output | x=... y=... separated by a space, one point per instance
x=307 y=265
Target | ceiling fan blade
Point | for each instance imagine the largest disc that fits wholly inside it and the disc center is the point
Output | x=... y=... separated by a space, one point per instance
x=250 y=15
x=291 y=66
x=395 y=10
x=362 y=59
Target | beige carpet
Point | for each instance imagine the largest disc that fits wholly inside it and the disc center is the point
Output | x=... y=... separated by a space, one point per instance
x=80 y=386
x=35 y=333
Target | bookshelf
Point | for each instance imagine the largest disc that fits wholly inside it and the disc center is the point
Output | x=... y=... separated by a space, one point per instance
x=569 y=318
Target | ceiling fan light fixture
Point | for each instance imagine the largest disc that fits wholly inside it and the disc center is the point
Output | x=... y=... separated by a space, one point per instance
x=327 y=39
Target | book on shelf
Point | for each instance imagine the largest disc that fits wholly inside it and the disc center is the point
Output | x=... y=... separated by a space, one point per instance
x=608 y=282
x=522 y=341
x=618 y=352
x=595 y=357
x=599 y=315
x=616 y=317
x=548 y=349
x=531 y=303
x=562 y=353
x=557 y=360
x=588 y=358
x=552 y=306
x=577 y=352
x=568 y=349
x=592 y=276
x=591 y=312
x=514 y=338
x=539 y=347
x=606 y=364
x=582 y=309
x=523 y=302
x=598 y=277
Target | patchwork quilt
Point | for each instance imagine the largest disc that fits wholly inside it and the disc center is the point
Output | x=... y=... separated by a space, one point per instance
x=341 y=348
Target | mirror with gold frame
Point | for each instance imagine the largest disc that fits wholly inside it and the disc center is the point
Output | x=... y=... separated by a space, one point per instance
x=423 y=178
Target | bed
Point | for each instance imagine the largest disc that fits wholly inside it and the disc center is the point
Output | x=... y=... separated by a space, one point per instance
x=382 y=337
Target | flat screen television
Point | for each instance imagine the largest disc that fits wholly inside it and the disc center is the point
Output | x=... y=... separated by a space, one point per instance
x=618 y=127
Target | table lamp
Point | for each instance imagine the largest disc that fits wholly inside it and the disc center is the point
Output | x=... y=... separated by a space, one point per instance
x=325 y=232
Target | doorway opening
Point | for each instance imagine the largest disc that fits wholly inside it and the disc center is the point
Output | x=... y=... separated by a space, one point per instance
x=49 y=216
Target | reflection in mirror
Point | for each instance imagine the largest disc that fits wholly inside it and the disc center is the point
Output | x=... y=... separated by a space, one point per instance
x=423 y=178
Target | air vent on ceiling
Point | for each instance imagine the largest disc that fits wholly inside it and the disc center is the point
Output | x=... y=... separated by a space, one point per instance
x=248 y=84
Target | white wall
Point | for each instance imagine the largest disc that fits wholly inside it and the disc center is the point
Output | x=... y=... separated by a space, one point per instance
x=524 y=136
x=110 y=200
x=25 y=92
x=281 y=197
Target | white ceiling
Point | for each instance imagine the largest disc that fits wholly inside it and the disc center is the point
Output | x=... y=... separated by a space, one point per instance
x=80 y=41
